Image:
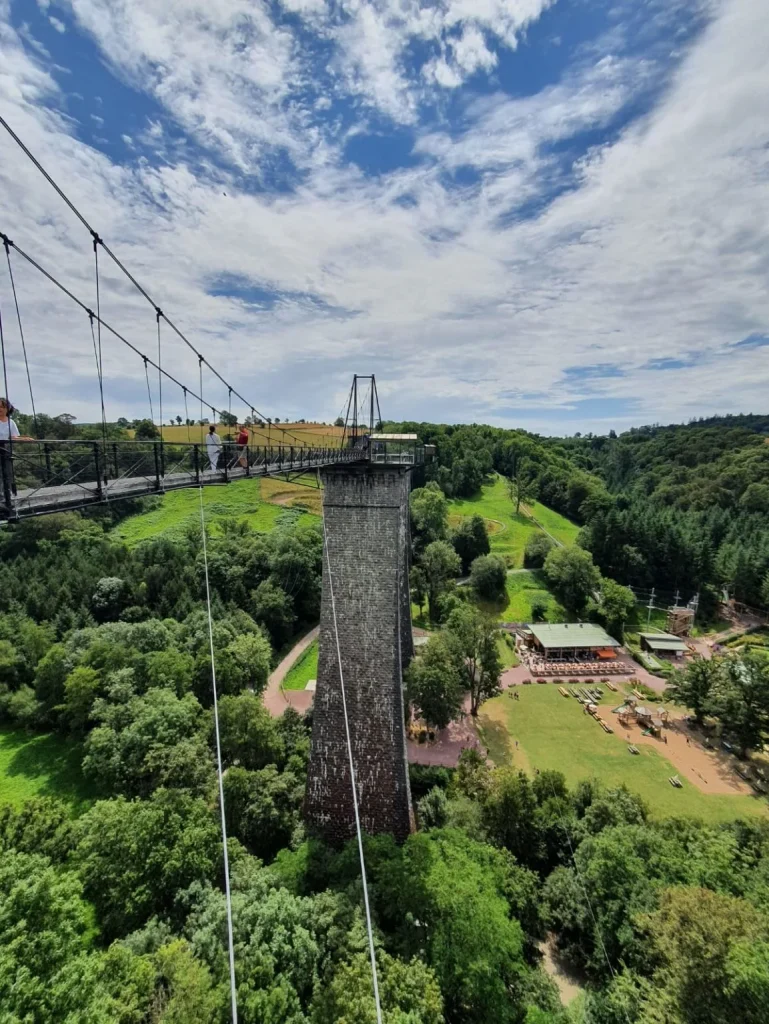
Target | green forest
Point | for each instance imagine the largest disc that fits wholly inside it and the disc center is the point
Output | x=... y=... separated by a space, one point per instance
x=680 y=508
x=112 y=906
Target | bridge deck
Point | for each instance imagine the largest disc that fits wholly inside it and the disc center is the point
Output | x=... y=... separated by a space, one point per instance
x=54 y=498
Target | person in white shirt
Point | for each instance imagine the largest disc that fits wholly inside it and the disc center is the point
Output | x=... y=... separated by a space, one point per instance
x=213 y=447
x=8 y=429
x=9 y=433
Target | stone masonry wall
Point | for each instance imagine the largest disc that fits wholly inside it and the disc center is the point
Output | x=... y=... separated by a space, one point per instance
x=367 y=533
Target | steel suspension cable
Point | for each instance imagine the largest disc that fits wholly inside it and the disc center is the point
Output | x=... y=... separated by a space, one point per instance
x=228 y=895
x=101 y=320
x=353 y=783
x=98 y=240
x=21 y=331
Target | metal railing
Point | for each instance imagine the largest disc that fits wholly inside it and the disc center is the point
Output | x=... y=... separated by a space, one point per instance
x=45 y=476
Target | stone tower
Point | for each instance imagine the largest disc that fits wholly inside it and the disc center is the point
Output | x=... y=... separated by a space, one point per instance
x=367 y=537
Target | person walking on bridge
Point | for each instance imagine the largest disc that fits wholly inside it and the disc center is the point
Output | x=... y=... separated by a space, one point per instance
x=242 y=443
x=9 y=433
x=213 y=447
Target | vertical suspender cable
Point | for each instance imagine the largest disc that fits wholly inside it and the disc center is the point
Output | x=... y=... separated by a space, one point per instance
x=7 y=399
x=158 y=314
x=233 y=990
x=353 y=783
x=200 y=368
x=149 y=390
x=187 y=417
x=21 y=332
x=99 y=366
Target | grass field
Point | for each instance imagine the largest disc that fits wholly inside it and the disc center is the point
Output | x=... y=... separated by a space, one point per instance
x=522 y=588
x=555 y=524
x=304 y=669
x=554 y=733
x=41 y=765
x=263 y=504
x=509 y=532
x=309 y=433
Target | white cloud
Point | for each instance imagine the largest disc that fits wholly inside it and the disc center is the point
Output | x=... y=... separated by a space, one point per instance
x=58 y=24
x=657 y=249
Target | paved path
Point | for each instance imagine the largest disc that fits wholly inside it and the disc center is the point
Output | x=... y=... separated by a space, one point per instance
x=277 y=700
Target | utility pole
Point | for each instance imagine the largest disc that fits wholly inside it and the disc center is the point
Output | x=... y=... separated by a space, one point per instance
x=651 y=605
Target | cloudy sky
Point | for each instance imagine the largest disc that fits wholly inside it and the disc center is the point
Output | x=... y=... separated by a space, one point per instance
x=546 y=213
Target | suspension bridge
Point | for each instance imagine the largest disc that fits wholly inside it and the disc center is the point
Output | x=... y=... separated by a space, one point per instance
x=40 y=475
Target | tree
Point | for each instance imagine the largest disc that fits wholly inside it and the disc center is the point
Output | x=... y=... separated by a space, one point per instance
x=521 y=490
x=693 y=687
x=452 y=891
x=433 y=809
x=740 y=698
x=44 y=924
x=228 y=419
x=538 y=547
x=263 y=807
x=146 y=431
x=488 y=577
x=435 y=681
x=440 y=564
x=408 y=992
x=146 y=742
x=339 y=421
x=617 y=603
x=429 y=512
x=244 y=663
x=713 y=952
x=510 y=814
x=539 y=607
x=249 y=735
x=418 y=586
x=475 y=635
x=109 y=598
x=273 y=609
x=81 y=688
x=134 y=856
x=471 y=540
x=572 y=575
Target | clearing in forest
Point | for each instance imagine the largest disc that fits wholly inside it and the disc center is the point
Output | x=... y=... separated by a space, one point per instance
x=41 y=765
x=553 y=732
x=263 y=504
x=508 y=537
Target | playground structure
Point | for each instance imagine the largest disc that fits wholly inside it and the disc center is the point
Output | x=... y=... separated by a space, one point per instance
x=633 y=713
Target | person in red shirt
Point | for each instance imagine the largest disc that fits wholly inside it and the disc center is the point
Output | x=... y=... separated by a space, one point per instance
x=242 y=443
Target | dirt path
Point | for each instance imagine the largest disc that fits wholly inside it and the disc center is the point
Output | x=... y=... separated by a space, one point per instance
x=709 y=770
x=568 y=984
x=277 y=700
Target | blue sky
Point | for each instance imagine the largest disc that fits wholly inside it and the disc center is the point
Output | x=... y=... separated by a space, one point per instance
x=541 y=213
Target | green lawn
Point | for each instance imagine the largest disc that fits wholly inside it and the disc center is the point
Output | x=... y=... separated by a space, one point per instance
x=304 y=669
x=41 y=765
x=522 y=588
x=508 y=539
x=553 y=732
x=240 y=500
x=494 y=503
x=563 y=529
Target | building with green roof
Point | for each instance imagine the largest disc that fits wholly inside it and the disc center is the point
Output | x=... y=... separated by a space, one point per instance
x=568 y=639
x=663 y=643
